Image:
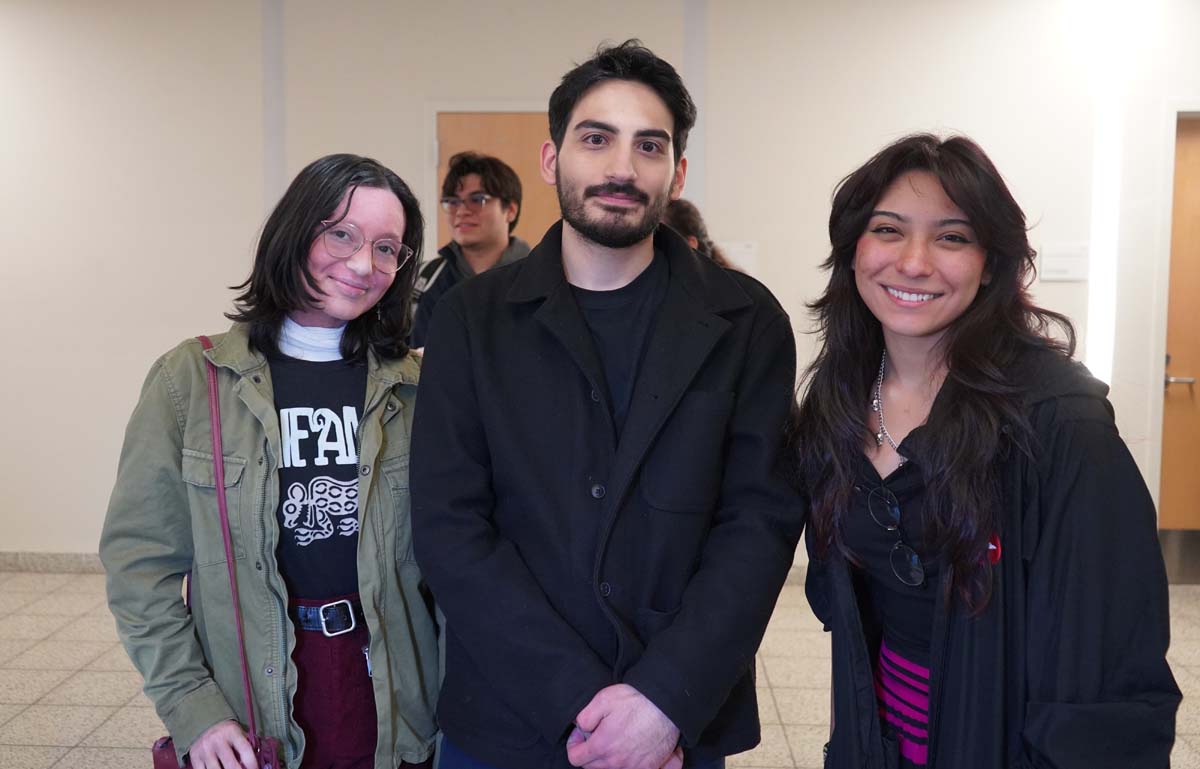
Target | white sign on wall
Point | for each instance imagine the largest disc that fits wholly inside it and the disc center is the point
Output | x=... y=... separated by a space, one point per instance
x=1064 y=263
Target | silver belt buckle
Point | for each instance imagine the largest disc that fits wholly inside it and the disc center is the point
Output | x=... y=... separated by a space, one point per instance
x=349 y=610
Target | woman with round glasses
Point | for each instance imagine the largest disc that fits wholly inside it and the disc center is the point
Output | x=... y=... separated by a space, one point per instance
x=983 y=547
x=316 y=389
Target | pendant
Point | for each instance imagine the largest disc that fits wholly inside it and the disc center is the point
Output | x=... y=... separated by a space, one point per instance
x=875 y=405
x=879 y=439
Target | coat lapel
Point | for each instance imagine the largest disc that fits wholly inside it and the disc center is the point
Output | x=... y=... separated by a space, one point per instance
x=687 y=328
x=681 y=341
x=561 y=316
x=541 y=277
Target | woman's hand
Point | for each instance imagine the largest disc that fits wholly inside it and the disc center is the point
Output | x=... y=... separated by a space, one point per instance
x=223 y=746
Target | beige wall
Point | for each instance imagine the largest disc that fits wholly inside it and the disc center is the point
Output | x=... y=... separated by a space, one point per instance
x=131 y=192
x=798 y=99
x=136 y=156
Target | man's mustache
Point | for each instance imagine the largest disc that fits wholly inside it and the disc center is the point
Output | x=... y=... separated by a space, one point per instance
x=613 y=188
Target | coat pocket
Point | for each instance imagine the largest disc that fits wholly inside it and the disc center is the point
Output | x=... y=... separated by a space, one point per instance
x=200 y=478
x=395 y=473
x=684 y=469
x=651 y=622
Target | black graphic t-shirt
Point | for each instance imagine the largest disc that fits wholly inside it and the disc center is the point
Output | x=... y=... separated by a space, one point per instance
x=319 y=406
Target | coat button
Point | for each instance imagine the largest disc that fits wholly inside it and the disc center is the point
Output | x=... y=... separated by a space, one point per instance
x=598 y=491
x=365 y=470
x=257 y=379
x=391 y=406
x=270 y=671
x=605 y=589
x=595 y=396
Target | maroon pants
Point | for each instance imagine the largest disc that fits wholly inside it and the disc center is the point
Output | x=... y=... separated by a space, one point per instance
x=334 y=704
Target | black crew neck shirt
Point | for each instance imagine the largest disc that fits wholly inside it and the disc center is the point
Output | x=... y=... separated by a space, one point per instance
x=620 y=322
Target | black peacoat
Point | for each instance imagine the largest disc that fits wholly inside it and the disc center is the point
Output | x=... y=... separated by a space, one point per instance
x=566 y=561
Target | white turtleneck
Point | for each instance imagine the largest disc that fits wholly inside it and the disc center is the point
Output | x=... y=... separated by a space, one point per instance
x=314 y=343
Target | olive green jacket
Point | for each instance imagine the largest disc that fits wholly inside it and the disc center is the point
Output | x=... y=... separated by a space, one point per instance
x=163 y=522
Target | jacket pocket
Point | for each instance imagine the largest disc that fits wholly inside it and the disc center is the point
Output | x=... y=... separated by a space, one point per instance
x=684 y=469
x=200 y=478
x=395 y=473
x=651 y=622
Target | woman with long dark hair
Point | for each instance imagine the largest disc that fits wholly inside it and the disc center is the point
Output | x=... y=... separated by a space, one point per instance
x=316 y=389
x=983 y=547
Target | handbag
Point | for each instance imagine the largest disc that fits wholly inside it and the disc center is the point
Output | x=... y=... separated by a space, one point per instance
x=267 y=750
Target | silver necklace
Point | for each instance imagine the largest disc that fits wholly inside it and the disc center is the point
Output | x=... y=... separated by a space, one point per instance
x=877 y=407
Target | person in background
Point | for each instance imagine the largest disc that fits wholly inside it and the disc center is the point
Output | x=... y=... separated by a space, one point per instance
x=481 y=196
x=600 y=496
x=982 y=544
x=683 y=217
x=317 y=389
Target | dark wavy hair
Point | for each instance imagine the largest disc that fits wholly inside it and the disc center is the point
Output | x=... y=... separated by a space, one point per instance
x=683 y=217
x=280 y=281
x=495 y=176
x=628 y=61
x=983 y=418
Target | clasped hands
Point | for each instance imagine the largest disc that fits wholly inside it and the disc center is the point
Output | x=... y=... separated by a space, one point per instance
x=621 y=729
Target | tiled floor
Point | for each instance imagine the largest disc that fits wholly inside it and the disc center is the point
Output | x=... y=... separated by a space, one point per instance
x=69 y=697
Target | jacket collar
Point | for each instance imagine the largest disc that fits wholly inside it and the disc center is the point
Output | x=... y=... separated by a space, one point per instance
x=232 y=350
x=541 y=273
x=515 y=251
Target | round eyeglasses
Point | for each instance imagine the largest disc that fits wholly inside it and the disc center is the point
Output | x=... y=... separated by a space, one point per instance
x=473 y=203
x=885 y=511
x=343 y=240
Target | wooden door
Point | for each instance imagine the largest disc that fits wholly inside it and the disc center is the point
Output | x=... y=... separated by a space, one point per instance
x=1179 y=495
x=514 y=137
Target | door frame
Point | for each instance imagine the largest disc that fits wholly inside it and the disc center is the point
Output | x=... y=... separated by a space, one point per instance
x=430 y=194
x=1157 y=349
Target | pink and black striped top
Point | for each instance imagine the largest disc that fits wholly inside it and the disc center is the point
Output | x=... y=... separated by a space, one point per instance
x=902 y=690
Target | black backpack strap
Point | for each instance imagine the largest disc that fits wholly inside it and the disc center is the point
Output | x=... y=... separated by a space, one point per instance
x=429 y=272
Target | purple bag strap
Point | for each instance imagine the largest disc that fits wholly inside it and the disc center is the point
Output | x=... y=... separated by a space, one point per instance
x=214 y=411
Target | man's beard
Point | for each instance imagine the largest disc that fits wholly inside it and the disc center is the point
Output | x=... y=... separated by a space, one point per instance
x=610 y=229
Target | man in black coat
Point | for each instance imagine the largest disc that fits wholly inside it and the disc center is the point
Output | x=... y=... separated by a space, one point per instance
x=598 y=499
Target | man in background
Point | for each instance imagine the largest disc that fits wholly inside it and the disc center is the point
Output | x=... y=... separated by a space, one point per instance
x=481 y=196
